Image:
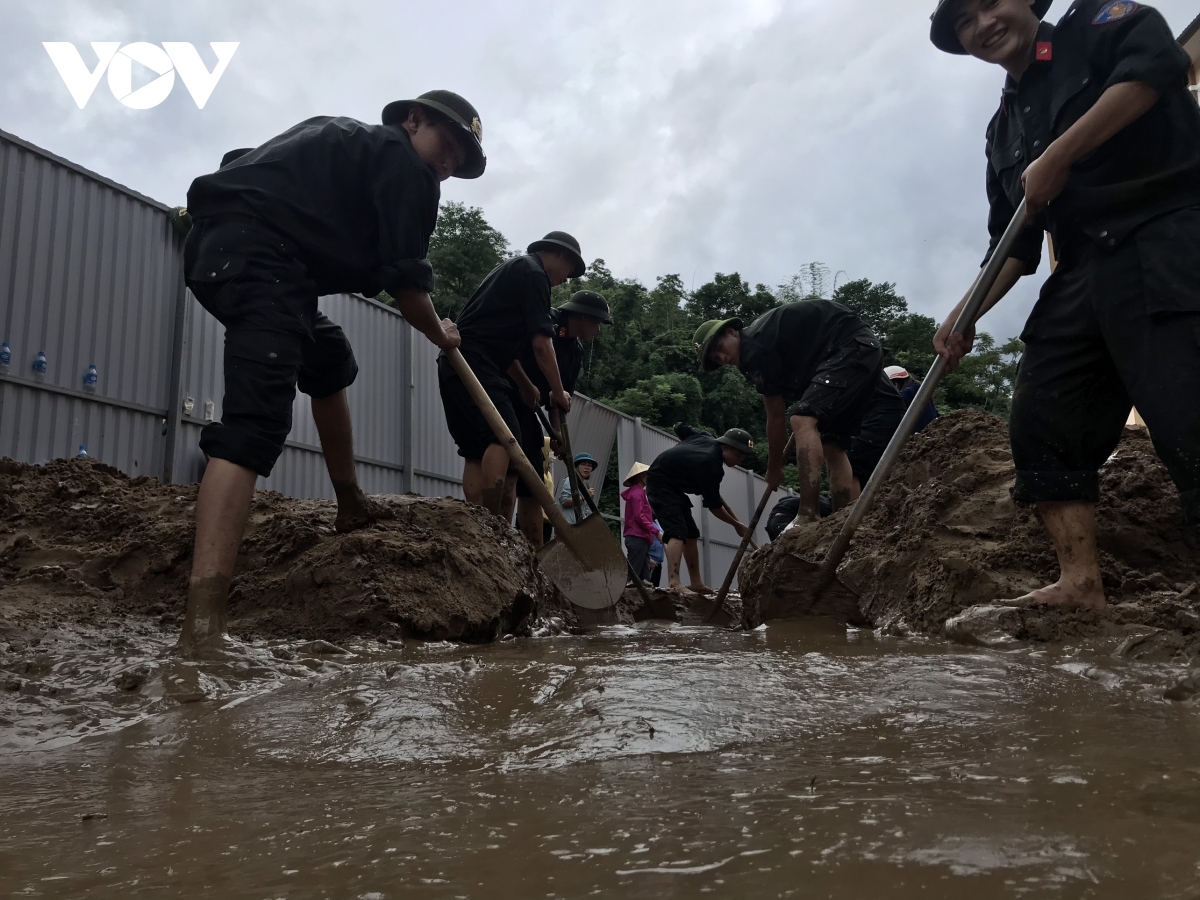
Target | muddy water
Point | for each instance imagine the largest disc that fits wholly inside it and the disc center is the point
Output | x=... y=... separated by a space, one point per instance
x=799 y=761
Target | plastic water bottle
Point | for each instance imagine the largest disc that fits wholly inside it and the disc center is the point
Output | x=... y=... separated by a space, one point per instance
x=82 y=454
x=5 y=358
x=90 y=378
x=40 y=365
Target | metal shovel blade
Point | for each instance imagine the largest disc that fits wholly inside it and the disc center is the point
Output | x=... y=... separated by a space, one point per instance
x=591 y=572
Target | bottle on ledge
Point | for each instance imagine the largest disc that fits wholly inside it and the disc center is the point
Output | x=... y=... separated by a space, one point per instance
x=90 y=379
x=40 y=365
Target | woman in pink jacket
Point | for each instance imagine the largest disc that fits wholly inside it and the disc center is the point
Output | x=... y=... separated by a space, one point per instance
x=640 y=530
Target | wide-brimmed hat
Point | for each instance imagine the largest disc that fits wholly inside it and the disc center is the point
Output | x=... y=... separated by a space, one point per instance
x=738 y=439
x=634 y=471
x=589 y=303
x=458 y=111
x=706 y=334
x=560 y=240
x=941 y=29
x=585 y=457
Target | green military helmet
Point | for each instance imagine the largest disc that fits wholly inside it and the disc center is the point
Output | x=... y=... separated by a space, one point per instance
x=706 y=334
x=942 y=32
x=589 y=303
x=560 y=240
x=739 y=439
x=461 y=113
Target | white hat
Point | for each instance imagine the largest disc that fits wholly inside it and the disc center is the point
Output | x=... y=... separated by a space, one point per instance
x=895 y=372
x=634 y=471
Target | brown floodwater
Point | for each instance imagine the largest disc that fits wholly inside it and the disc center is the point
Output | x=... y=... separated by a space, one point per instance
x=663 y=761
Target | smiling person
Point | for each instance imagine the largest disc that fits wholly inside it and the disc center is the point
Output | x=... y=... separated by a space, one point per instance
x=330 y=206
x=509 y=310
x=1097 y=130
x=820 y=371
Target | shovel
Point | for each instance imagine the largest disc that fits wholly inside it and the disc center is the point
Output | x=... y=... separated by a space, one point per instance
x=565 y=439
x=746 y=539
x=582 y=560
x=824 y=576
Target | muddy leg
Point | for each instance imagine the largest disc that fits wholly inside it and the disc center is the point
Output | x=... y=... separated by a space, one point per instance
x=529 y=520
x=842 y=483
x=222 y=509
x=674 y=552
x=355 y=510
x=493 y=477
x=510 y=498
x=1072 y=528
x=691 y=552
x=809 y=457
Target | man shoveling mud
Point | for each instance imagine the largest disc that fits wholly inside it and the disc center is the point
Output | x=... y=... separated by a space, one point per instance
x=510 y=309
x=331 y=206
x=1098 y=133
x=820 y=371
x=696 y=465
x=575 y=323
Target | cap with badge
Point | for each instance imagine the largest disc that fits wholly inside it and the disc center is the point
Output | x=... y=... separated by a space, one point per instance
x=461 y=113
x=589 y=303
x=560 y=240
x=739 y=439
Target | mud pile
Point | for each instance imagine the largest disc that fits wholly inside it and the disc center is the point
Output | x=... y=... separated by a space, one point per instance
x=80 y=542
x=945 y=536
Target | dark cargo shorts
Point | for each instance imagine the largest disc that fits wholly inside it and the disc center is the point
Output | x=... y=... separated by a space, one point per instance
x=842 y=389
x=468 y=427
x=255 y=283
x=673 y=510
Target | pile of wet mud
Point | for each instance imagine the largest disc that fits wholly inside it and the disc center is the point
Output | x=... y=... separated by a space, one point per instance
x=945 y=538
x=81 y=543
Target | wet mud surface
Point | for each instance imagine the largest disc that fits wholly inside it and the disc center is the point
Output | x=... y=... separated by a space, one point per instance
x=80 y=543
x=945 y=539
x=658 y=760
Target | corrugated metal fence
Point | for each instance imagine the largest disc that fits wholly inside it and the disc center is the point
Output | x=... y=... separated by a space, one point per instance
x=91 y=273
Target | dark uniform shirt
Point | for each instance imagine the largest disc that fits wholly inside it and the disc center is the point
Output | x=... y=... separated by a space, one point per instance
x=506 y=311
x=356 y=198
x=569 y=352
x=1150 y=168
x=693 y=466
x=781 y=349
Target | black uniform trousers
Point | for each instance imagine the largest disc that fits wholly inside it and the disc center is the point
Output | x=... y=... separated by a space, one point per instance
x=255 y=282
x=1112 y=329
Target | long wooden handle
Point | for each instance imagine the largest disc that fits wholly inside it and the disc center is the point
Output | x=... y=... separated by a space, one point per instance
x=746 y=539
x=525 y=469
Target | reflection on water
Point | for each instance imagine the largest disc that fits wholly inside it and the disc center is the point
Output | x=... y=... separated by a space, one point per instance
x=653 y=762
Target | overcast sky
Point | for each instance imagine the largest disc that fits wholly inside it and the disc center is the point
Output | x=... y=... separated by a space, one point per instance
x=668 y=136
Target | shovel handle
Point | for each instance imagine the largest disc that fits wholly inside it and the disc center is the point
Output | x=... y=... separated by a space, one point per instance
x=524 y=467
x=966 y=319
x=747 y=538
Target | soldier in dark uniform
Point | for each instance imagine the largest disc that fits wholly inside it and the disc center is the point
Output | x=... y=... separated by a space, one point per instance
x=331 y=206
x=696 y=465
x=1098 y=132
x=575 y=323
x=820 y=371
x=508 y=311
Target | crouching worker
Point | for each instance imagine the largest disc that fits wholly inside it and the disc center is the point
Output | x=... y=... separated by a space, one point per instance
x=576 y=322
x=820 y=371
x=510 y=309
x=1098 y=133
x=331 y=206
x=696 y=465
x=908 y=386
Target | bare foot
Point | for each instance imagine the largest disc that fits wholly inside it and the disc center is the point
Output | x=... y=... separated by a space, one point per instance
x=204 y=620
x=1090 y=596
x=700 y=588
x=357 y=510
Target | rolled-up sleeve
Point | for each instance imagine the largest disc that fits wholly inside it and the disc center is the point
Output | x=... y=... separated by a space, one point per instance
x=1138 y=46
x=406 y=205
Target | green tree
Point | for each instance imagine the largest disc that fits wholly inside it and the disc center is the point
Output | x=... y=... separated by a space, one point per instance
x=663 y=400
x=878 y=305
x=727 y=296
x=463 y=249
